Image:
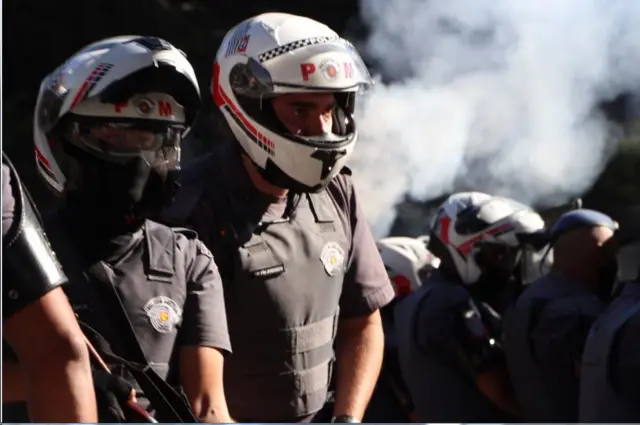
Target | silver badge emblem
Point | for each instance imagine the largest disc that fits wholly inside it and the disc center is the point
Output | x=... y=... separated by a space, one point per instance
x=164 y=313
x=332 y=258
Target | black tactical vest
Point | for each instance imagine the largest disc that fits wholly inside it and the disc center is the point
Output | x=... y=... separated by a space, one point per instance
x=599 y=400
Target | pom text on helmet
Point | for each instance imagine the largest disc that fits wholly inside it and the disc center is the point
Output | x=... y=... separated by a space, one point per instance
x=330 y=69
x=145 y=107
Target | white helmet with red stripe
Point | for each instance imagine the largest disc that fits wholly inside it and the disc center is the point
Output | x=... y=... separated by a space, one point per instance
x=407 y=261
x=273 y=54
x=474 y=231
x=142 y=91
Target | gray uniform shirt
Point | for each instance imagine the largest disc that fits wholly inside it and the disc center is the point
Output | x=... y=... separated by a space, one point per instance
x=366 y=286
x=270 y=289
x=166 y=280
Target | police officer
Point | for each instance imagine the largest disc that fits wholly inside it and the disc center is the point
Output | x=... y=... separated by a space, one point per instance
x=408 y=262
x=38 y=321
x=108 y=126
x=546 y=330
x=611 y=362
x=278 y=209
x=449 y=337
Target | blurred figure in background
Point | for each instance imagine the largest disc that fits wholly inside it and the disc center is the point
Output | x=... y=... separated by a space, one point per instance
x=449 y=330
x=408 y=262
x=546 y=330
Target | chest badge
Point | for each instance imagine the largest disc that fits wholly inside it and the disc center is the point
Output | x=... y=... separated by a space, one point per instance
x=332 y=258
x=164 y=313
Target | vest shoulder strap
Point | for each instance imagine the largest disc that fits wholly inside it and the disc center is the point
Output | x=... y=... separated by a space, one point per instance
x=160 y=247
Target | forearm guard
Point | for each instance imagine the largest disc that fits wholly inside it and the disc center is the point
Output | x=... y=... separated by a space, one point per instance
x=30 y=267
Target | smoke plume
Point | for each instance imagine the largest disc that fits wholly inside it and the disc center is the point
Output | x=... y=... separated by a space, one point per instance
x=492 y=95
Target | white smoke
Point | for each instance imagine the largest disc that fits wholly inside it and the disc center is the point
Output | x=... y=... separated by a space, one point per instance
x=492 y=95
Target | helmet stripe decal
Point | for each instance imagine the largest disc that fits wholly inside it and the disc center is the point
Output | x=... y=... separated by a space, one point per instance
x=223 y=100
x=96 y=75
x=281 y=50
x=44 y=165
x=252 y=136
x=465 y=247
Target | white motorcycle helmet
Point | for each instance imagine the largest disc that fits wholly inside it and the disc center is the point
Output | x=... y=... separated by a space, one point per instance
x=114 y=85
x=473 y=229
x=274 y=54
x=407 y=261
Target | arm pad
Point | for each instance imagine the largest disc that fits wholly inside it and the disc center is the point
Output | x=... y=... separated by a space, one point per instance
x=30 y=268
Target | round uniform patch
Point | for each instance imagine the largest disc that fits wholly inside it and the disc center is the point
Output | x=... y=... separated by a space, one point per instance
x=332 y=258
x=163 y=313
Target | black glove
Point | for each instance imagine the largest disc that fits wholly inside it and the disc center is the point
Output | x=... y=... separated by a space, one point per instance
x=112 y=393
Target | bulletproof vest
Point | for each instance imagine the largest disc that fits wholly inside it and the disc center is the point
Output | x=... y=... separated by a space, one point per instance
x=30 y=267
x=442 y=390
x=283 y=280
x=599 y=400
x=538 y=401
x=146 y=277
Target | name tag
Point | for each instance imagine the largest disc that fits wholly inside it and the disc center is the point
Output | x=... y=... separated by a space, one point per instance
x=269 y=272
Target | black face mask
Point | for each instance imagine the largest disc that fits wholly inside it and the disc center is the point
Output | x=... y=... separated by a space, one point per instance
x=497 y=288
x=497 y=285
x=125 y=192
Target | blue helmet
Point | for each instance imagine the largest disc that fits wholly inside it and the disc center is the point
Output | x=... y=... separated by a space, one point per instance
x=581 y=218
